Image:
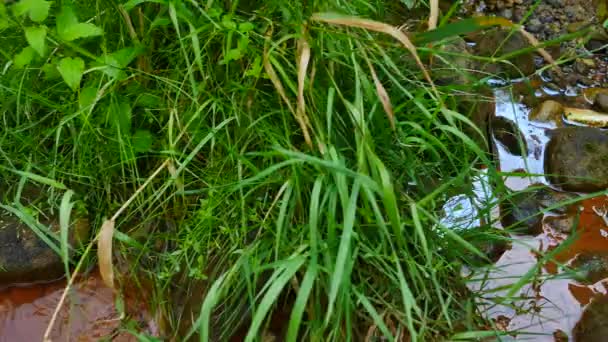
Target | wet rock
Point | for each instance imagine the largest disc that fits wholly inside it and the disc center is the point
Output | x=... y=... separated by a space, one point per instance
x=508 y=134
x=576 y=159
x=548 y=111
x=601 y=102
x=479 y=110
x=522 y=212
x=24 y=257
x=452 y=67
x=560 y=336
x=591 y=267
x=563 y=224
x=593 y=325
x=499 y=42
x=491 y=242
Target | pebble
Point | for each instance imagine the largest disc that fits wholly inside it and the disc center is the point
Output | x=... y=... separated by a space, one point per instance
x=601 y=101
x=534 y=26
x=581 y=67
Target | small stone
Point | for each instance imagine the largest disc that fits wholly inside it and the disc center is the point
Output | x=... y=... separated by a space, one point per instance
x=507 y=13
x=581 y=67
x=548 y=111
x=547 y=19
x=556 y=3
x=560 y=336
x=576 y=159
x=534 y=25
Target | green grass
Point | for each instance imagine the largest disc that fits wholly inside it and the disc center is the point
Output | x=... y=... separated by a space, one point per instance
x=337 y=240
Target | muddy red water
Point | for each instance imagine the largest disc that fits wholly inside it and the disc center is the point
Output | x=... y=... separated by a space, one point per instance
x=88 y=314
x=550 y=302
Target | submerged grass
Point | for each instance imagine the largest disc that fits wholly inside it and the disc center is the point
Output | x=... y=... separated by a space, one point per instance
x=307 y=162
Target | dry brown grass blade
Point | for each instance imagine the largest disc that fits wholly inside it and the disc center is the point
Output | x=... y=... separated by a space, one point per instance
x=378 y=27
x=383 y=95
x=104 y=253
x=303 y=61
x=546 y=56
x=278 y=85
x=434 y=15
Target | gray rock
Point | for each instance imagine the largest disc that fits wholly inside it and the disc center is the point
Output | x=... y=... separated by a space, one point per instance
x=25 y=258
x=507 y=13
x=593 y=325
x=508 y=135
x=521 y=213
x=576 y=159
x=534 y=26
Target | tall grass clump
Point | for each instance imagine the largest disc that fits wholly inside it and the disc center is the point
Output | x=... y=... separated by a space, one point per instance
x=308 y=160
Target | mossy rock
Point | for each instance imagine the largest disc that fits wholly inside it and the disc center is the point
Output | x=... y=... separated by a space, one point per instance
x=576 y=159
x=593 y=325
x=500 y=42
x=591 y=267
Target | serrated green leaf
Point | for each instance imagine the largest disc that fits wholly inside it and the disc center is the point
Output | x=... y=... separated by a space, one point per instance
x=142 y=141
x=36 y=37
x=71 y=69
x=24 y=57
x=38 y=10
x=70 y=29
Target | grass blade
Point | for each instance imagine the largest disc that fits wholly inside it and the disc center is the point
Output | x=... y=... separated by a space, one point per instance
x=65 y=209
x=344 y=250
x=285 y=274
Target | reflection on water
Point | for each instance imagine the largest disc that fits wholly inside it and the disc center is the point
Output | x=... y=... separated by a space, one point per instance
x=88 y=314
x=465 y=211
x=549 y=302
